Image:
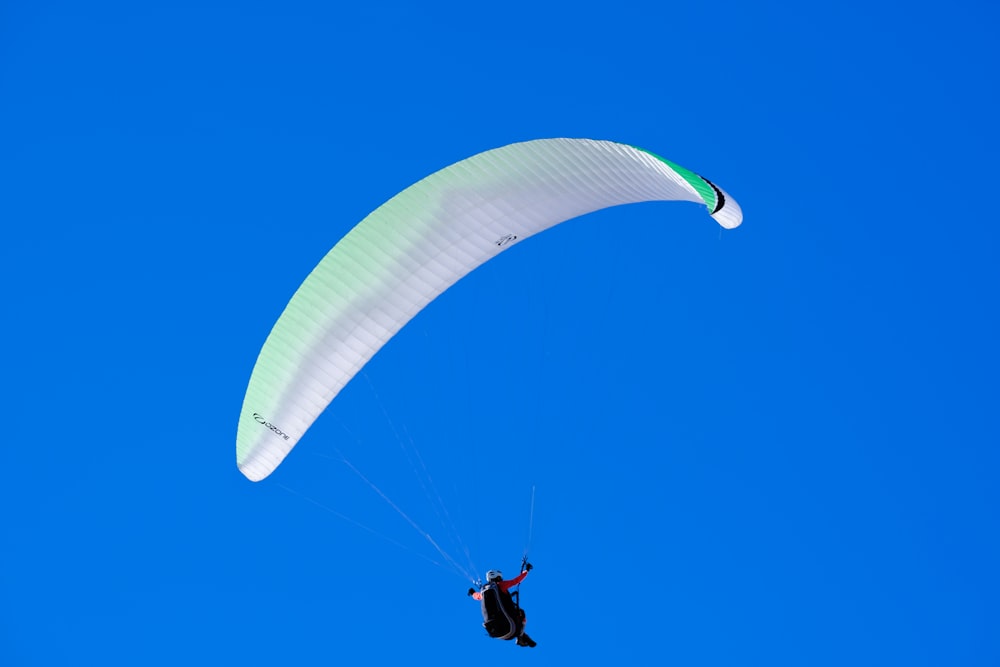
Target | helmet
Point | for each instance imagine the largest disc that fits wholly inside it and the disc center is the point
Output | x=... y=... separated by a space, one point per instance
x=494 y=575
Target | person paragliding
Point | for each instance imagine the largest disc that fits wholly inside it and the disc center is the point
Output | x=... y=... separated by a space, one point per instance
x=503 y=616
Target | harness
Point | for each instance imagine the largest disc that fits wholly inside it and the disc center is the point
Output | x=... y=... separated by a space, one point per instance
x=502 y=615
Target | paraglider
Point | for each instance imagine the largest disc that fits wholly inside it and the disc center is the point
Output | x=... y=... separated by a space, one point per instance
x=419 y=243
x=503 y=617
x=410 y=250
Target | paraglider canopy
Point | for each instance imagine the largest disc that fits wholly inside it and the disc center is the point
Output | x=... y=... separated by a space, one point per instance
x=416 y=245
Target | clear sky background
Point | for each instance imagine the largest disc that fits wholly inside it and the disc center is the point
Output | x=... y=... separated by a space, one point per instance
x=769 y=446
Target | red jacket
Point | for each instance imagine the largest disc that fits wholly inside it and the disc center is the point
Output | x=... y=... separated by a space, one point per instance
x=504 y=585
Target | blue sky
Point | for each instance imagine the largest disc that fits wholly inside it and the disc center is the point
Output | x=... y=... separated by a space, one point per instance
x=770 y=446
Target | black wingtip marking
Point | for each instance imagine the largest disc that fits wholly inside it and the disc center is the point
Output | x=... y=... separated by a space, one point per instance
x=720 y=199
